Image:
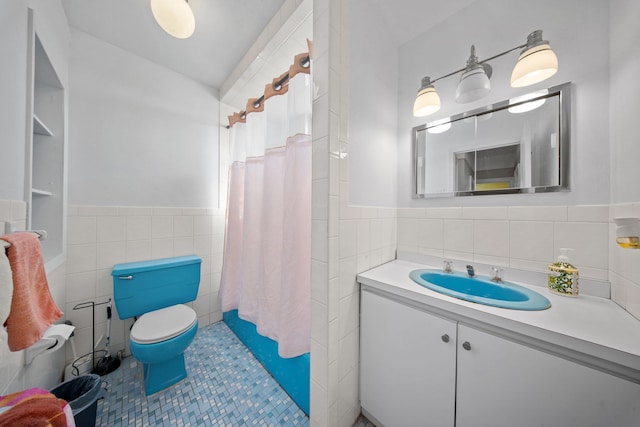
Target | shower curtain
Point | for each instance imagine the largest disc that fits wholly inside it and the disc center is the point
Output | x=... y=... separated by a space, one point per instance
x=267 y=249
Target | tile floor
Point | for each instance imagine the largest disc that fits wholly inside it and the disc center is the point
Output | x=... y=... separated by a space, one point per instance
x=226 y=386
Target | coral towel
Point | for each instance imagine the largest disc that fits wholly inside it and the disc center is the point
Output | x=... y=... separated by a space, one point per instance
x=35 y=408
x=32 y=306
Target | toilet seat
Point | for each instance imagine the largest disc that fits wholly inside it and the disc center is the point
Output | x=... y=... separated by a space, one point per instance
x=161 y=325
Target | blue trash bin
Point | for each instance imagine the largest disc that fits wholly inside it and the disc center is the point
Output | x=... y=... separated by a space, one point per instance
x=82 y=394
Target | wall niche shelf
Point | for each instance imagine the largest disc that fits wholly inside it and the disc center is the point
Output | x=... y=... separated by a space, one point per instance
x=36 y=192
x=39 y=128
x=45 y=187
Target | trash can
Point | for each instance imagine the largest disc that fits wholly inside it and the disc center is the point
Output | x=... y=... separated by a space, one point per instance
x=82 y=394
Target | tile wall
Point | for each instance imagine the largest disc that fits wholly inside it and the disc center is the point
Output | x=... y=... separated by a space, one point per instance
x=624 y=272
x=345 y=240
x=100 y=236
x=519 y=237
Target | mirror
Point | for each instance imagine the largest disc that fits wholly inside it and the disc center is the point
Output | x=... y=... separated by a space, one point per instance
x=515 y=146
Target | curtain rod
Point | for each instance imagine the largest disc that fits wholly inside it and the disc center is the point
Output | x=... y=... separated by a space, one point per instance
x=301 y=63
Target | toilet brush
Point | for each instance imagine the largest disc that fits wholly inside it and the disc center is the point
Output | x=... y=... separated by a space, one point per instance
x=107 y=363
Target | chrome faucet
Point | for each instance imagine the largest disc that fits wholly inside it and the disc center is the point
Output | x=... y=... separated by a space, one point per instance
x=470 y=271
x=496 y=274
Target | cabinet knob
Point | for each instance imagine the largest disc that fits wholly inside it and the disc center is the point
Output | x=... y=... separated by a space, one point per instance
x=445 y=338
x=466 y=345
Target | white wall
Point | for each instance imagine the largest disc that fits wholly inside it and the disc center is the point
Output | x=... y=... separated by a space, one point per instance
x=373 y=98
x=51 y=25
x=578 y=33
x=140 y=134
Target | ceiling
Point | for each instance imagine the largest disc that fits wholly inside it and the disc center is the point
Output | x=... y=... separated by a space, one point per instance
x=225 y=30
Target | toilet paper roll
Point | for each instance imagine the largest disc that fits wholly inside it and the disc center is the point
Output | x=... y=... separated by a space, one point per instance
x=53 y=339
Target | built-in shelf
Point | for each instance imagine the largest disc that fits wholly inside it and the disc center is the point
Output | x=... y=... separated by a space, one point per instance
x=40 y=128
x=36 y=192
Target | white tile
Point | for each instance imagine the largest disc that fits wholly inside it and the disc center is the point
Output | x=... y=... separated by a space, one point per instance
x=348 y=238
x=319 y=322
x=319 y=364
x=411 y=213
x=138 y=227
x=444 y=213
x=491 y=260
x=349 y=314
x=183 y=246
x=364 y=236
x=320 y=167
x=430 y=233
x=319 y=240
x=538 y=213
x=590 y=213
x=408 y=233
x=458 y=235
x=166 y=211
x=531 y=241
x=349 y=354
x=348 y=282
x=135 y=211
x=319 y=282
x=589 y=241
x=81 y=258
x=138 y=250
x=110 y=253
x=98 y=211
x=492 y=212
x=81 y=286
x=182 y=226
x=320 y=208
x=161 y=248
x=81 y=229
x=203 y=225
x=110 y=229
x=334 y=298
x=161 y=227
x=491 y=238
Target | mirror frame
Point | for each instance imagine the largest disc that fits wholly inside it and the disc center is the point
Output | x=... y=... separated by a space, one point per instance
x=563 y=91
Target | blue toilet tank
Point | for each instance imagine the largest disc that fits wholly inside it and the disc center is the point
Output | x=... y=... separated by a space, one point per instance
x=141 y=287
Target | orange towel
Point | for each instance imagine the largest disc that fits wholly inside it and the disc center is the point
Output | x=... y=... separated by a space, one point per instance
x=34 y=408
x=32 y=306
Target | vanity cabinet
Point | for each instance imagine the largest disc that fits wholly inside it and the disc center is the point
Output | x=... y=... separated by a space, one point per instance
x=407 y=363
x=411 y=377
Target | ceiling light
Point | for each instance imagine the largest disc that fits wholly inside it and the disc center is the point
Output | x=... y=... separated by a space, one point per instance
x=175 y=17
x=536 y=63
x=427 y=101
x=474 y=82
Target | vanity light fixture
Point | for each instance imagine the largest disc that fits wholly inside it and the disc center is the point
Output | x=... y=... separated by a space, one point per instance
x=175 y=17
x=474 y=81
x=537 y=62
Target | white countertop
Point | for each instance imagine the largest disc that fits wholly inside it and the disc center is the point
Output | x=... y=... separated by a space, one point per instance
x=593 y=330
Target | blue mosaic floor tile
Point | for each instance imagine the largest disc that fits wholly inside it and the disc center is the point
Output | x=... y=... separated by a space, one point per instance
x=226 y=386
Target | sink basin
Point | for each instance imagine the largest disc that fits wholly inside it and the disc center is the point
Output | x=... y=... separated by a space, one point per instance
x=481 y=290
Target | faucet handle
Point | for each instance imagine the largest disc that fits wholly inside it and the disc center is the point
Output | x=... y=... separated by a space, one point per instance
x=496 y=274
x=447 y=266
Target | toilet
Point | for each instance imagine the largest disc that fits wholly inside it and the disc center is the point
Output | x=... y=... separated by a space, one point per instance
x=155 y=292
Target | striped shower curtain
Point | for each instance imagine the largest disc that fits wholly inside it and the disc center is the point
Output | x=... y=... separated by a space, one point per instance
x=267 y=249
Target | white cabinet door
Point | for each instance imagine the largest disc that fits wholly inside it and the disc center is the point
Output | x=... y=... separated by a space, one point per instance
x=505 y=384
x=407 y=364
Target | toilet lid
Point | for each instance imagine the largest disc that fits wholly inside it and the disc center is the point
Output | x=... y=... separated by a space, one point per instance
x=161 y=325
